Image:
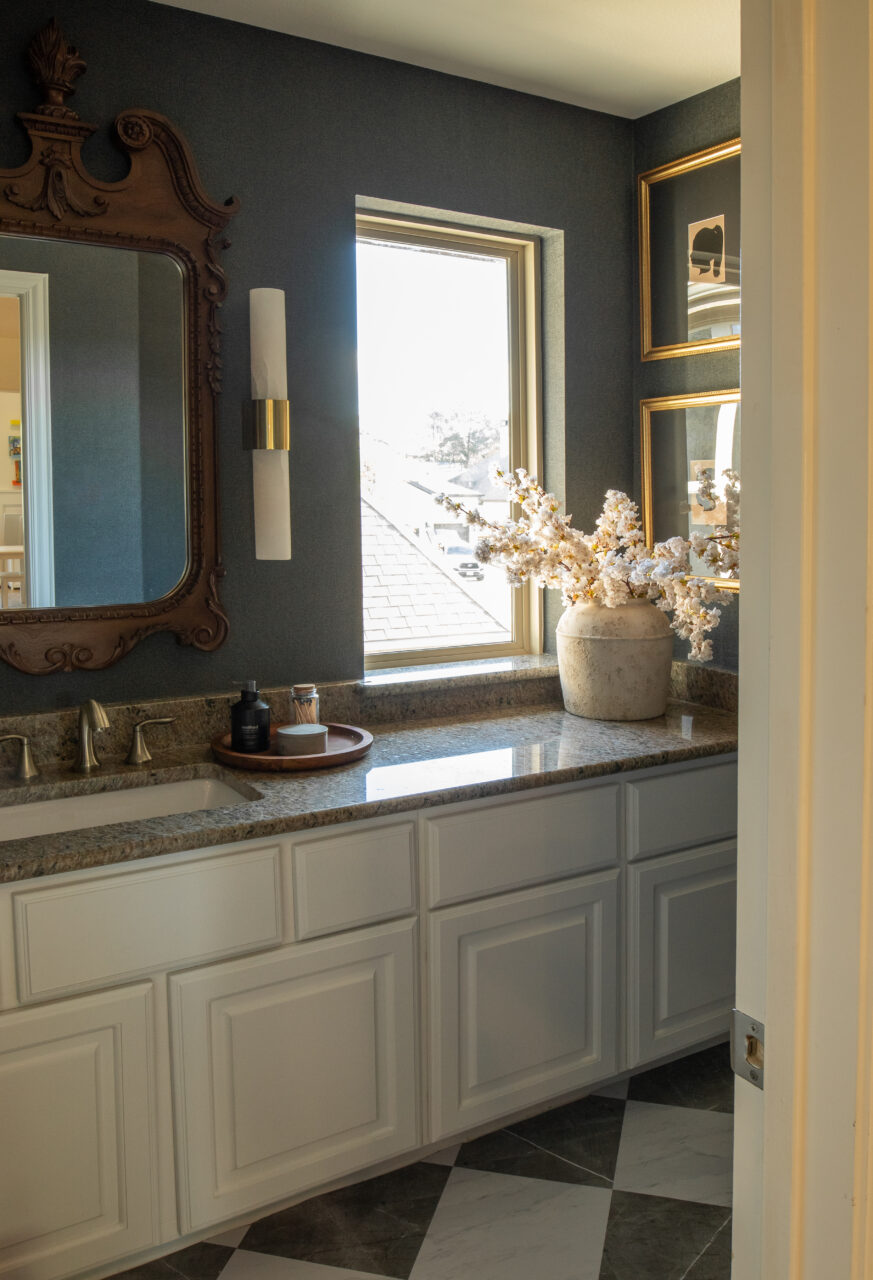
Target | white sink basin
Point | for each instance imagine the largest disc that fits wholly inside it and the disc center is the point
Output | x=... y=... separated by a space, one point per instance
x=71 y=813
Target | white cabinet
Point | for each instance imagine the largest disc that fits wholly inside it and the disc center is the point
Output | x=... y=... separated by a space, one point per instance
x=682 y=950
x=78 y=1184
x=488 y=847
x=554 y=920
x=293 y=1068
x=95 y=929
x=680 y=808
x=523 y=999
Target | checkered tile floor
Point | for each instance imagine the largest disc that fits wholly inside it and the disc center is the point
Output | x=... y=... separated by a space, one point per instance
x=632 y=1183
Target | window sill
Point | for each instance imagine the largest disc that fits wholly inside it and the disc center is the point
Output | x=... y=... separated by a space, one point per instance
x=463 y=673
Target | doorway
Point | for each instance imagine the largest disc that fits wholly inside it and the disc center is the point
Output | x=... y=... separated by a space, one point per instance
x=26 y=493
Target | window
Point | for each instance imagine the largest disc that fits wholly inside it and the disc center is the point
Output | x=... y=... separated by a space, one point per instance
x=447 y=384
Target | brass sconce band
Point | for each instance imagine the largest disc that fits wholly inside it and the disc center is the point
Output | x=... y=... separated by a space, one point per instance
x=271 y=426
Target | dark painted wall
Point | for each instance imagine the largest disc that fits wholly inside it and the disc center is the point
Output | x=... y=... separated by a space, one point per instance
x=676 y=131
x=297 y=130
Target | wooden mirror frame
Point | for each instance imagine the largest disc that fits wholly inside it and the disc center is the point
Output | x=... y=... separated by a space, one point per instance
x=160 y=207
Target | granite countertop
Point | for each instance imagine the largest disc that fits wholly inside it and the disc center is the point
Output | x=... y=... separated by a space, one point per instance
x=410 y=766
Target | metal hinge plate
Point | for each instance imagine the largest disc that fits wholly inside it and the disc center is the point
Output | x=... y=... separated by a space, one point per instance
x=747 y=1048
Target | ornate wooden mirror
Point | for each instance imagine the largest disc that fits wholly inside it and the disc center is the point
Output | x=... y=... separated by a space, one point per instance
x=109 y=301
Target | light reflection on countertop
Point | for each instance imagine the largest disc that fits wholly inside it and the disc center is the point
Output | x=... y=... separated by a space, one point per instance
x=388 y=781
x=411 y=765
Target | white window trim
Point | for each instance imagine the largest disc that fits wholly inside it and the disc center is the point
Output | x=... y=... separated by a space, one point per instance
x=522 y=253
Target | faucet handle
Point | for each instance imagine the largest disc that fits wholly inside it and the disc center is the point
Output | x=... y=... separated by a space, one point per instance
x=26 y=766
x=139 y=752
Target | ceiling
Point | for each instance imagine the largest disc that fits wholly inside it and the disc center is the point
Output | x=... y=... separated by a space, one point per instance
x=627 y=57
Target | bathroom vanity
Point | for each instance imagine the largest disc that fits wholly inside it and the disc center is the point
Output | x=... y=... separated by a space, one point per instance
x=189 y=1037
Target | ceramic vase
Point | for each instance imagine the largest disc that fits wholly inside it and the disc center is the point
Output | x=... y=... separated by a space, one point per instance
x=615 y=664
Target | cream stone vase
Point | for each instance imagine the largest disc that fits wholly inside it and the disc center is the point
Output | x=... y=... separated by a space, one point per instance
x=614 y=664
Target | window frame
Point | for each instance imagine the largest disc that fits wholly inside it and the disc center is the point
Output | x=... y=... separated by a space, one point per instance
x=522 y=253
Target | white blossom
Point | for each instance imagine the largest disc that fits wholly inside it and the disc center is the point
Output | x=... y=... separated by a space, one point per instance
x=612 y=565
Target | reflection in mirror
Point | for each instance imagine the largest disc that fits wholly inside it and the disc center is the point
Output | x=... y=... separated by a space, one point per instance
x=689 y=443
x=93 y=504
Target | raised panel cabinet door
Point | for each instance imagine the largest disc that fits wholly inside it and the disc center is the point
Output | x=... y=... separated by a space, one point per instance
x=293 y=1068
x=523 y=1000
x=682 y=950
x=77 y=1134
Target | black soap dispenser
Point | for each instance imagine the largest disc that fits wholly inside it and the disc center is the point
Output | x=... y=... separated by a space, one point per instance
x=250 y=721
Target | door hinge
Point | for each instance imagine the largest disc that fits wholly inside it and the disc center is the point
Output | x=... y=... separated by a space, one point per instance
x=747 y=1048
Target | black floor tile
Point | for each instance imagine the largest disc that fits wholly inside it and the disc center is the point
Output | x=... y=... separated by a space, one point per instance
x=375 y=1226
x=197 y=1262
x=715 y=1263
x=505 y=1152
x=585 y=1133
x=703 y=1080
x=652 y=1238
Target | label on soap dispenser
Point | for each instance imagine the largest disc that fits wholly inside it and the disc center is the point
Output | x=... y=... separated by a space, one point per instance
x=249 y=736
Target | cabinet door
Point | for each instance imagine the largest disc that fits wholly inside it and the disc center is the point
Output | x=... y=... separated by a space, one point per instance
x=77 y=1163
x=293 y=1068
x=523 y=996
x=682 y=950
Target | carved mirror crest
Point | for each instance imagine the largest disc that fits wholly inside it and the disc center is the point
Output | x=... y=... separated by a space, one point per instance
x=108 y=495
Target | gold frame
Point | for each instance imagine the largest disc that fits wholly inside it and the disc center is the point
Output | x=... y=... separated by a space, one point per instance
x=687 y=164
x=647 y=408
x=522 y=253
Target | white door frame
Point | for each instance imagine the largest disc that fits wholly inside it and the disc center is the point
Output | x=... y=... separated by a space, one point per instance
x=804 y=1195
x=32 y=291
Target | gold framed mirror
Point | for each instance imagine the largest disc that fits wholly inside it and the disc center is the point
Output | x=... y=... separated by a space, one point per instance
x=684 y=441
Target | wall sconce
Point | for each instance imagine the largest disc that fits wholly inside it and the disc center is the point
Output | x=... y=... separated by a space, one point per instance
x=270 y=436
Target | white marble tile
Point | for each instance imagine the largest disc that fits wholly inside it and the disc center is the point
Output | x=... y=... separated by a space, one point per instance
x=245 y=1265
x=231 y=1238
x=448 y=1156
x=495 y=1227
x=617 y=1090
x=676 y=1152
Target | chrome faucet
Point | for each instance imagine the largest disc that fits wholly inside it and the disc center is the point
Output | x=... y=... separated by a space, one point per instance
x=92 y=718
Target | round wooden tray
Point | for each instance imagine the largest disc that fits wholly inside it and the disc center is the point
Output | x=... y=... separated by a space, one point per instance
x=345 y=742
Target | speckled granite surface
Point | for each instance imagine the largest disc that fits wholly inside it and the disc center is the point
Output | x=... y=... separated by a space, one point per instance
x=409 y=695
x=411 y=766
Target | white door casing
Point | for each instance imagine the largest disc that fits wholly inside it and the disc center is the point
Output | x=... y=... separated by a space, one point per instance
x=806 y=646
x=32 y=290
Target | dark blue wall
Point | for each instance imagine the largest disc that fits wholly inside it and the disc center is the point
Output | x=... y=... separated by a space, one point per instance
x=297 y=130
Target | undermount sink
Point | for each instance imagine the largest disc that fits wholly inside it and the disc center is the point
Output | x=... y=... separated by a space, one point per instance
x=158 y=800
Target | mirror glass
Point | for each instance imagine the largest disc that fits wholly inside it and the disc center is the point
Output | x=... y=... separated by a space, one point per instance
x=93 y=474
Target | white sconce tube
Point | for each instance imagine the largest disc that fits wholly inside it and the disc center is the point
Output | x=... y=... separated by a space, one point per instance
x=272 y=488
x=270 y=471
x=267 y=329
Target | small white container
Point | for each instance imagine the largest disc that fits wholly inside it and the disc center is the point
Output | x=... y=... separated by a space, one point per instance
x=301 y=740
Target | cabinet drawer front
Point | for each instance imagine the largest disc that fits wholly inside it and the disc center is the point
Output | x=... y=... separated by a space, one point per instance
x=516 y=843
x=341 y=881
x=682 y=930
x=78 y=1168
x=293 y=1068
x=523 y=1000
x=112 y=928
x=676 y=810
